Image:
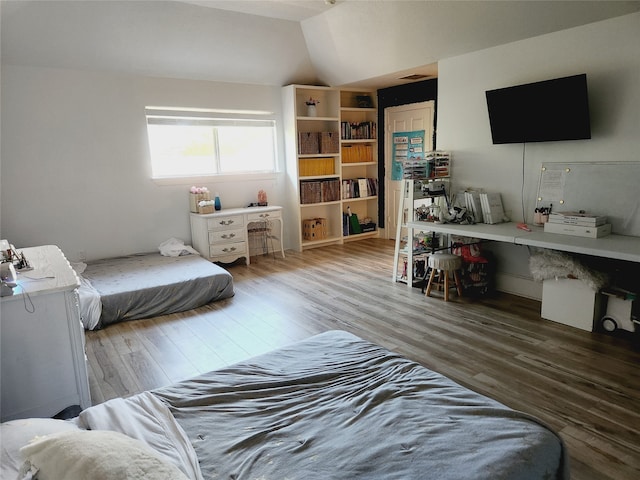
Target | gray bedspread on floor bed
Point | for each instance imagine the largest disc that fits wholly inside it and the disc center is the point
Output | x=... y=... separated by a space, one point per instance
x=147 y=285
x=338 y=407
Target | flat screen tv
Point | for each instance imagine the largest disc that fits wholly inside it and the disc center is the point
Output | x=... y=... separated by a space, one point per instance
x=546 y=111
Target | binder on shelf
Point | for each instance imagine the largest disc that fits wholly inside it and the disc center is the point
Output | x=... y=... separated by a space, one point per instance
x=492 y=209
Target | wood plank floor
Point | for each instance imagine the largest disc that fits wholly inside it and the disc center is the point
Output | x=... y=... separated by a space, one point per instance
x=584 y=385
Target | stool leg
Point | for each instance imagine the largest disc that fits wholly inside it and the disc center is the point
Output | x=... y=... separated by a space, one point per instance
x=456 y=275
x=430 y=284
x=446 y=285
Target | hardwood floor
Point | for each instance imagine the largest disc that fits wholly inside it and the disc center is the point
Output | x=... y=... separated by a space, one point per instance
x=584 y=385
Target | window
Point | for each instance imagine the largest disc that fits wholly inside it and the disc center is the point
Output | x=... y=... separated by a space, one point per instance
x=189 y=143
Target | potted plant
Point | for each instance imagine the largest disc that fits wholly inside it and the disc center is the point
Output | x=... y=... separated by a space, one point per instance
x=311 y=107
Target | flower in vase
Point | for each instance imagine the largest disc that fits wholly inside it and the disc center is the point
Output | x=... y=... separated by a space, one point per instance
x=312 y=101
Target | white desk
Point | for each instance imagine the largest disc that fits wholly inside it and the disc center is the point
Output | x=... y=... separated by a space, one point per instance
x=223 y=236
x=620 y=247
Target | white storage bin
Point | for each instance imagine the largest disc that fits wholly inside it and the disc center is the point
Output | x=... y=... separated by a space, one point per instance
x=571 y=302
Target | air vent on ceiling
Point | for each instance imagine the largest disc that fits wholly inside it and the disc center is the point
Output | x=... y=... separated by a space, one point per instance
x=414 y=76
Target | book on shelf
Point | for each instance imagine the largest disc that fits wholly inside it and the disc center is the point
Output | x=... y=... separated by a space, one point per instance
x=577 y=218
x=492 y=209
x=363 y=187
x=578 y=230
x=472 y=202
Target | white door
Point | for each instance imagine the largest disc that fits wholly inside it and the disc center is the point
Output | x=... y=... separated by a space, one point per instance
x=404 y=118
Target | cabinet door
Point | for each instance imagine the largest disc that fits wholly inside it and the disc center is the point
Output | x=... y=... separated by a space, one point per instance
x=41 y=364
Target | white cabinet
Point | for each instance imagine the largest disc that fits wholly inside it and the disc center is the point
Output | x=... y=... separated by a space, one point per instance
x=44 y=368
x=327 y=149
x=224 y=236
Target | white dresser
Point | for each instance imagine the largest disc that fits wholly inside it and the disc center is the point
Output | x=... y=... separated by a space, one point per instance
x=223 y=236
x=43 y=362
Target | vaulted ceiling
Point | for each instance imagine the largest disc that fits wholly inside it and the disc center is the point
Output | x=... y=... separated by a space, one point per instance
x=277 y=42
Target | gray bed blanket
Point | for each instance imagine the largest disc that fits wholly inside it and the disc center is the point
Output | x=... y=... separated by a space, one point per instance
x=338 y=407
x=147 y=285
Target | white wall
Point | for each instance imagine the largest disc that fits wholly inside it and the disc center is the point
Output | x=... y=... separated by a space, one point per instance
x=606 y=51
x=75 y=160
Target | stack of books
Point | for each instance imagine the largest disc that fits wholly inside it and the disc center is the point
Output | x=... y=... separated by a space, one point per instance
x=579 y=224
x=359 y=187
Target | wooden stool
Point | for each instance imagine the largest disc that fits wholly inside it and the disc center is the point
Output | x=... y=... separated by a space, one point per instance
x=444 y=264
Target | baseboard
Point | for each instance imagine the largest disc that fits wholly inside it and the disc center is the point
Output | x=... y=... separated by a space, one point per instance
x=517 y=285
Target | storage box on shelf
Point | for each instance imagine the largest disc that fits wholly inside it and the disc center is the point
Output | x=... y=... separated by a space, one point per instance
x=571 y=302
x=315 y=144
x=314 y=229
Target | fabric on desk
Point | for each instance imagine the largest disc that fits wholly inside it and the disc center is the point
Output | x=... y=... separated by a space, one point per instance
x=336 y=406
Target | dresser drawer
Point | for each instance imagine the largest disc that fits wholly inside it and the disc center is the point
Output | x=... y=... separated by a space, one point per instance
x=231 y=221
x=222 y=249
x=262 y=216
x=226 y=235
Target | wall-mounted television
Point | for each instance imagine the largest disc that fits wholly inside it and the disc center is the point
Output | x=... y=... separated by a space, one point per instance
x=546 y=111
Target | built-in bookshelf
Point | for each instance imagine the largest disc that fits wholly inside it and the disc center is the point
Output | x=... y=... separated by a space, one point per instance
x=359 y=159
x=332 y=168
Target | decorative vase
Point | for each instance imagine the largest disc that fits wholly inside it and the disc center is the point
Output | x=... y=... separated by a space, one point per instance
x=311 y=111
x=217 y=204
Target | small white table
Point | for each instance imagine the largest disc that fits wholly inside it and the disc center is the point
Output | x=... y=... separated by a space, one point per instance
x=223 y=236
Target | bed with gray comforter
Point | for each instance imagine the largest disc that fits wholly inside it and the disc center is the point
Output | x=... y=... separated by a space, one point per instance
x=333 y=406
x=147 y=285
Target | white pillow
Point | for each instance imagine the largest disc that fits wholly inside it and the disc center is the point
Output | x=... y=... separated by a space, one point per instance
x=15 y=434
x=95 y=454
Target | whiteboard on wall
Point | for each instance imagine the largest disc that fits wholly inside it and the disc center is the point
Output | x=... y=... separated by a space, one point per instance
x=600 y=188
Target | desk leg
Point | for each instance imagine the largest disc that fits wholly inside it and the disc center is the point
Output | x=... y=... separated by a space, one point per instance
x=281 y=236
